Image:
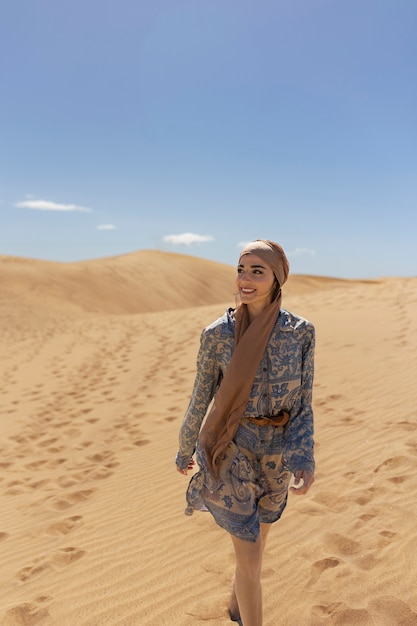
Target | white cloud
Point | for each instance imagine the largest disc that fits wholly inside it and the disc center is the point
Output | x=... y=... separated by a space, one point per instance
x=187 y=239
x=301 y=252
x=106 y=227
x=292 y=253
x=46 y=205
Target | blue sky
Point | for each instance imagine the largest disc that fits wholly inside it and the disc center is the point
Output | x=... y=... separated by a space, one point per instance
x=195 y=125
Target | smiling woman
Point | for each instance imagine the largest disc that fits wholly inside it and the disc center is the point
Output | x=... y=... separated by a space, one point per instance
x=256 y=282
x=255 y=366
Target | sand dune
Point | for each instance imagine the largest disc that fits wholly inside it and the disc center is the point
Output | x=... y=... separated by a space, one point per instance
x=143 y=281
x=97 y=364
x=140 y=282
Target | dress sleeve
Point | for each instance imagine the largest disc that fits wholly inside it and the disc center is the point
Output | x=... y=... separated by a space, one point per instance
x=299 y=433
x=205 y=384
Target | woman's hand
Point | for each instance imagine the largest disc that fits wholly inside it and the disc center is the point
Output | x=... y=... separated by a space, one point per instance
x=308 y=479
x=190 y=466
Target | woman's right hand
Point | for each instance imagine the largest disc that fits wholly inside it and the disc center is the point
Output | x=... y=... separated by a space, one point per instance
x=190 y=466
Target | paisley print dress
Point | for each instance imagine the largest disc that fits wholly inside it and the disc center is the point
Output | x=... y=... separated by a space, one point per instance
x=256 y=467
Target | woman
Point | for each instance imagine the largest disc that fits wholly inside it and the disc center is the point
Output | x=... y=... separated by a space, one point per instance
x=255 y=365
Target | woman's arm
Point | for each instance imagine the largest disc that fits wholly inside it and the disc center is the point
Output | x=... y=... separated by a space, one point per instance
x=298 y=434
x=206 y=381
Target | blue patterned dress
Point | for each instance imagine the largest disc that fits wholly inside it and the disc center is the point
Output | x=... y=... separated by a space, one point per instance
x=256 y=467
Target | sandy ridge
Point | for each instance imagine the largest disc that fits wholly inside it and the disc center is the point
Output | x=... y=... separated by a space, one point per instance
x=143 y=281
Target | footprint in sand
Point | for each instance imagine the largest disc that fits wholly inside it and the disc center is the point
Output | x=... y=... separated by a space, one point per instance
x=99 y=474
x=392 y=463
x=388 y=534
x=72 y=498
x=84 y=444
x=47 y=442
x=407 y=425
x=60 y=558
x=343 y=545
x=331 y=502
x=31 y=571
x=36 y=464
x=310 y=508
x=366 y=496
x=65 y=482
x=361 y=558
x=38 y=484
x=397 y=480
x=15 y=491
x=56 y=463
x=55 y=449
x=340 y=613
x=386 y=538
x=26 y=613
x=393 y=611
x=206 y=610
x=367 y=517
x=321 y=566
x=66 y=556
x=412 y=445
x=5 y=464
x=64 y=526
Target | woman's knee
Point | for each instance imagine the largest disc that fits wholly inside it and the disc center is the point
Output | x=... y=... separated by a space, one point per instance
x=251 y=570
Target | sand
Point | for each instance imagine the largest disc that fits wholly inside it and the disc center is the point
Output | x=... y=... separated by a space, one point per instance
x=97 y=364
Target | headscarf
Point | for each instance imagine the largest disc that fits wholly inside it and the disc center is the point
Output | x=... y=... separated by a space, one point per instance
x=251 y=339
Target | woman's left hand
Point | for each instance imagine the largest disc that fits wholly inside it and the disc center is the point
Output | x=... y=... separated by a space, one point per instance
x=190 y=466
x=308 y=479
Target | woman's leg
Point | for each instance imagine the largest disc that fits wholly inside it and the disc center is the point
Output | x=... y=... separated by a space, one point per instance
x=248 y=580
x=246 y=597
x=233 y=603
x=265 y=528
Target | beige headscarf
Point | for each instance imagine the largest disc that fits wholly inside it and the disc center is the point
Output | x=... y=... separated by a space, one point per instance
x=251 y=339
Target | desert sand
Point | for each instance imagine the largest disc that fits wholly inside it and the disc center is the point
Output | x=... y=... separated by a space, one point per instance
x=97 y=364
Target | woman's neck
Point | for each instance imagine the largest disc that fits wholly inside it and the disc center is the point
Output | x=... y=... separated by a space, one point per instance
x=254 y=311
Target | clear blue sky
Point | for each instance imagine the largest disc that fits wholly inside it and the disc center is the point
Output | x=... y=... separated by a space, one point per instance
x=127 y=122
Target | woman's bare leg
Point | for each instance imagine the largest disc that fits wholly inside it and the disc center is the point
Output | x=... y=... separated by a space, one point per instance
x=233 y=603
x=265 y=528
x=246 y=596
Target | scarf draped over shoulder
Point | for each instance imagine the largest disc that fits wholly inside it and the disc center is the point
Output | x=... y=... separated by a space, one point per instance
x=251 y=339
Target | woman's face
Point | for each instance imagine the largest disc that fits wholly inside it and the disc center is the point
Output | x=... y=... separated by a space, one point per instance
x=255 y=281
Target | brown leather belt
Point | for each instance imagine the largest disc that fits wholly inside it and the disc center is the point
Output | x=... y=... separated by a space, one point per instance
x=275 y=420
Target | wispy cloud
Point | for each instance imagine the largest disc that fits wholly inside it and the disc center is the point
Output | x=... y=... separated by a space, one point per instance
x=106 y=227
x=187 y=239
x=291 y=253
x=301 y=252
x=46 y=205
